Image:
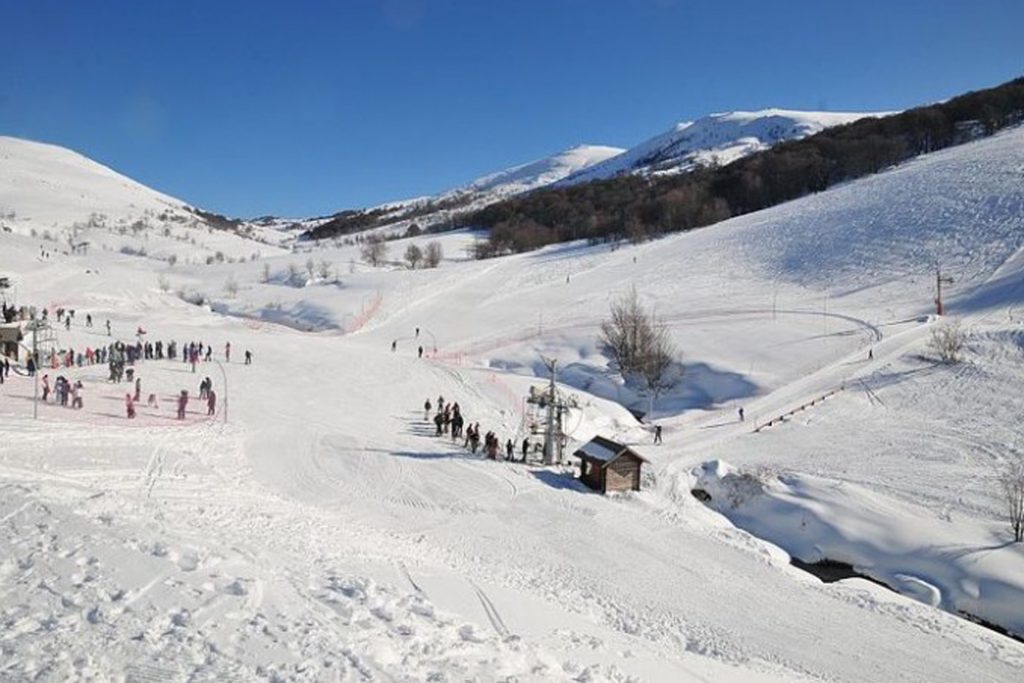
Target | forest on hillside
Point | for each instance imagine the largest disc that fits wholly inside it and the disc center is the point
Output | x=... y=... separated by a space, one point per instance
x=637 y=207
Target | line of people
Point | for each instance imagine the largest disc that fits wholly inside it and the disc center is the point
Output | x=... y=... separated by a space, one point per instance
x=449 y=420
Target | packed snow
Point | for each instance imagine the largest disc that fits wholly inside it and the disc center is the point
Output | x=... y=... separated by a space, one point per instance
x=315 y=528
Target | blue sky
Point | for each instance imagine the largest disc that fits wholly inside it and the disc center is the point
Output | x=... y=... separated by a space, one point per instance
x=305 y=107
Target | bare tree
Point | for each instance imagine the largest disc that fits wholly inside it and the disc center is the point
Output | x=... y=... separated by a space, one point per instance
x=266 y=273
x=310 y=267
x=230 y=286
x=641 y=346
x=324 y=270
x=948 y=341
x=374 y=250
x=1011 y=480
x=293 y=274
x=432 y=255
x=413 y=255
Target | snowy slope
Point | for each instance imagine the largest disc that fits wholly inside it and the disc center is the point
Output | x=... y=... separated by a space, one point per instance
x=538 y=173
x=321 y=532
x=716 y=139
x=47 y=186
x=396 y=217
x=64 y=198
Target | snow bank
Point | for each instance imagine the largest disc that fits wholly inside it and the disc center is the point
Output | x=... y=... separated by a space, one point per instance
x=966 y=566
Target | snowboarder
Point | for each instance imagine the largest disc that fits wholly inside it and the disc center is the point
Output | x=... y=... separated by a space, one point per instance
x=741 y=413
x=657 y=433
x=129 y=406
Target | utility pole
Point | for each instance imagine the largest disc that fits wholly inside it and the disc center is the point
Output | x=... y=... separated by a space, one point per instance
x=224 y=376
x=34 y=326
x=940 y=280
x=550 y=438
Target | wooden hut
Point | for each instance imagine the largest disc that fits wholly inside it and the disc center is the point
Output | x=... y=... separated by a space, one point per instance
x=609 y=466
x=10 y=336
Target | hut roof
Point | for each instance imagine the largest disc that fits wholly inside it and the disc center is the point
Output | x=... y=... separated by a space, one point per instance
x=605 y=451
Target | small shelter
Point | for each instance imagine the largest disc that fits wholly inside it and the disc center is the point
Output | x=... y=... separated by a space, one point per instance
x=10 y=337
x=606 y=465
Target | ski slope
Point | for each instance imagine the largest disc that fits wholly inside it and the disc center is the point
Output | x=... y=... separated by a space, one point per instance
x=317 y=530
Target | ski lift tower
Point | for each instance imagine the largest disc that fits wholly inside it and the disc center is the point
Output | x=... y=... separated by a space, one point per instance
x=940 y=280
x=551 y=440
x=555 y=406
x=42 y=334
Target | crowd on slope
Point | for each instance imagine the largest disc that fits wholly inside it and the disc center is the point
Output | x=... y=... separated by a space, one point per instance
x=120 y=359
x=448 y=420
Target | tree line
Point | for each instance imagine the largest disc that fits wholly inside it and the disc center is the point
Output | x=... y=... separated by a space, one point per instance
x=638 y=208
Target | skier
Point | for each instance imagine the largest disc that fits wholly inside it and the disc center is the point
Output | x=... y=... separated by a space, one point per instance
x=657 y=433
x=76 y=395
x=417 y=333
x=227 y=352
x=182 y=403
x=88 y=319
x=421 y=352
x=871 y=354
x=129 y=406
x=108 y=328
x=46 y=387
x=526 y=448
x=211 y=402
x=248 y=357
x=741 y=414
x=138 y=388
x=426 y=410
x=509 y=449
x=439 y=422
x=394 y=345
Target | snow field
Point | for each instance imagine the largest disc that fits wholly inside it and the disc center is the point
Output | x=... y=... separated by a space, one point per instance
x=325 y=534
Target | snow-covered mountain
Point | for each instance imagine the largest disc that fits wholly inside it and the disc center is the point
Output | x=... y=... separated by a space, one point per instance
x=717 y=139
x=68 y=199
x=47 y=186
x=476 y=194
x=325 y=533
x=536 y=174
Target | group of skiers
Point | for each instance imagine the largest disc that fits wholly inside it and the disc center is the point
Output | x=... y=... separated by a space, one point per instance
x=449 y=420
x=63 y=389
